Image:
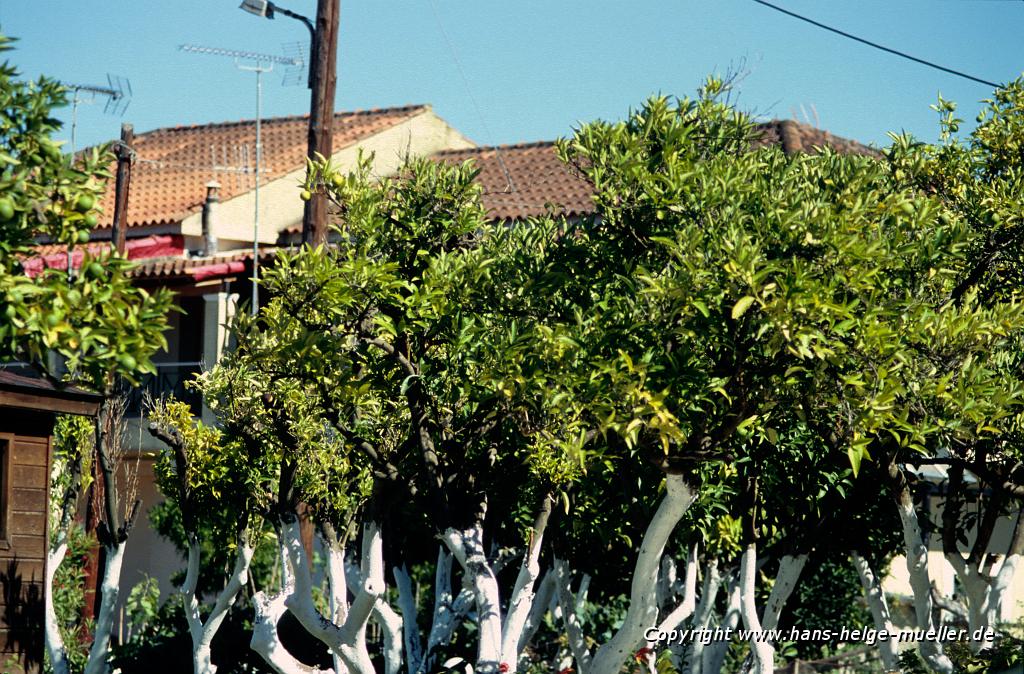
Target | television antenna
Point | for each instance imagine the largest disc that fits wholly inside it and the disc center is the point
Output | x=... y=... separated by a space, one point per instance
x=253 y=62
x=118 y=93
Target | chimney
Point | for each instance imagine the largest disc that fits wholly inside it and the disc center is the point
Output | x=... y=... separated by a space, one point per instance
x=210 y=217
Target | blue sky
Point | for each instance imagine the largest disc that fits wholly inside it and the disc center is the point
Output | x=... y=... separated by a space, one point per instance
x=535 y=68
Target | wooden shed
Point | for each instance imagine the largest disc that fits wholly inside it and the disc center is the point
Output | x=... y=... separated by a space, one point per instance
x=28 y=409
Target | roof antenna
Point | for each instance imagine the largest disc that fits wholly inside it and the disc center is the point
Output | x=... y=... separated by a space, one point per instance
x=115 y=93
x=259 y=64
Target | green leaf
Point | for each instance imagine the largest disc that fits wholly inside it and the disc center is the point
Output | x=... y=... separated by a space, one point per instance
x=741 y=306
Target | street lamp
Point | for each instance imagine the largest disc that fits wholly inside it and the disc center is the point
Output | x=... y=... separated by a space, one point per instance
x=267 y=9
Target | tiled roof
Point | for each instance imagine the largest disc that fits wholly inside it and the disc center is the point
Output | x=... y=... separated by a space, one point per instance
x=519 y=181
x=174 y=164
x=795 y=137
x=199 y=268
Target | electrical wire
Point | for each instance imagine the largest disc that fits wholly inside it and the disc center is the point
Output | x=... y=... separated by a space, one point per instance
x=878 y=46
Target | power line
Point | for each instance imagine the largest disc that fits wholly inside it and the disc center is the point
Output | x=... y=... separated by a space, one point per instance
x=469 y=92
x=878 y=46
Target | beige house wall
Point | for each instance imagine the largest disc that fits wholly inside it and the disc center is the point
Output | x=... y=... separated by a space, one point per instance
x=280 y=205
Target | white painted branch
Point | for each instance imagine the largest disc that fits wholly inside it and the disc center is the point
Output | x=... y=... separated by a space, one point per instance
x=790 y=568
x=581 y=592
x=267 y=642
x=541 y=603
x=389 y=621
x=701 y=618
x=445 y=620
x=410 y=626
x=570 y=618
x=920 y=583
x=1001 y=584
x=714 y=654
x=391 y=629
x=666 y=581
x=188 y=592
x=269 y=609
x=347 y=640
x=467 y=546
x=449 y=613
x=761 y=649
x=520 y=603
x=642 y=611
x=336 y=578
x=688 y=604
x=99 y=653
x=338 y=595
x=879 y=611
x=51 y=629
x=202 y=633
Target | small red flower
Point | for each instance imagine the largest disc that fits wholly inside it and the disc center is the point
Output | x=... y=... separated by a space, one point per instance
x=503 y=667
x=643 y=653
x=567 y=670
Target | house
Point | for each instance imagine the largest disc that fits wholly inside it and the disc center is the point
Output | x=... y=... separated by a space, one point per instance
x=28 y=408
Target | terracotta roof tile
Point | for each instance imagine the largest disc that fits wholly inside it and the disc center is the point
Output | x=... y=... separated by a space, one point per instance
x=199 y=268
x=795 y=137
x=174 y=164
x=521 y=181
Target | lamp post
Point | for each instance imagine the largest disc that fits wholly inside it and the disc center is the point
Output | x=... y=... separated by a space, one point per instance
x=322 y=81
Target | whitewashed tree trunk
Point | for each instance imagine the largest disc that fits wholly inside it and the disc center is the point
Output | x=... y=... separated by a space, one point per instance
x=920 y=583
x=269 y=609
x=702 y=617
x=54 y=642
x=202 y=633
x=338 y=582
x=762 y=650
x=985 y=592
x=521 y=603
x=879 y=610
x=714 y=653
x=410 y=622
x=686 y=608
x=567 y=603
x=467 y=547
x=349 y=639
x=545 y=592
x=688 y=602
x=790 y=568
x=99 y=653
x=642 y=611
x=449 y=610
x=390 y=622
x=1002 y=583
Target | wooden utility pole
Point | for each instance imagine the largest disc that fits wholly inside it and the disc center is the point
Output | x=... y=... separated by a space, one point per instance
x=321 y=112
x=124 y=154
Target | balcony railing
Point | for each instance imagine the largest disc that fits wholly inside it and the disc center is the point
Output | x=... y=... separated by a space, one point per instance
x=168 y=381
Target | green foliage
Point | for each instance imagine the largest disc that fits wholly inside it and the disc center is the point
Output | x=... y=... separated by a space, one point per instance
x=143 y=601
x=97 y=321
x=830 y=596
x=69 y=596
